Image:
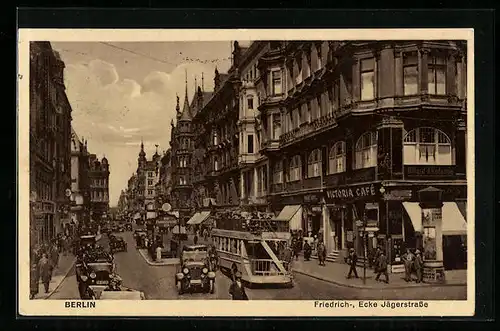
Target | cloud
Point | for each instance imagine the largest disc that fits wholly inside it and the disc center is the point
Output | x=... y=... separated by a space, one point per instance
x=114 y=114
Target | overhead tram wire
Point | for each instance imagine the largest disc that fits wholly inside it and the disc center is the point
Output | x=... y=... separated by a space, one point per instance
x=160 y=60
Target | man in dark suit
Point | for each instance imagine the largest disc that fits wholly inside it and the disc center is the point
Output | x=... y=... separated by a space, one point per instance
x=351 y=260
x=237 y=290
x=382 y=267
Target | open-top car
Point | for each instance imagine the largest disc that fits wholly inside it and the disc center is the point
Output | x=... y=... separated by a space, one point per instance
x=194 y=271
x=93 y=275
x=117 y=244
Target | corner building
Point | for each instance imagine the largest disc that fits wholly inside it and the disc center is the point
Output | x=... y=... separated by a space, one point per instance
x=366 y=126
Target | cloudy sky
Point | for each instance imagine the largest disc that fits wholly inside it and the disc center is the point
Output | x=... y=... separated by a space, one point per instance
x=122 y=92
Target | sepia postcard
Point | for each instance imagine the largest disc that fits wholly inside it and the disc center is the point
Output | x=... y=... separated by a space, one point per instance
x=275 y=172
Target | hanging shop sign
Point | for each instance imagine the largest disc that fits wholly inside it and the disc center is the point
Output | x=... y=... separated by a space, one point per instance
x=354 y=192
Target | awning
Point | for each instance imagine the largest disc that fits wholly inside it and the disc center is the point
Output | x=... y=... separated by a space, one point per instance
x=453 y=221
x=203 y=216
x=198 y=218
x=415 y=213
x=292 y=214
x=194 y=219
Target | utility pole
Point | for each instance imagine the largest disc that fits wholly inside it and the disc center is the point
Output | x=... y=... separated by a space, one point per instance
x=364 y=248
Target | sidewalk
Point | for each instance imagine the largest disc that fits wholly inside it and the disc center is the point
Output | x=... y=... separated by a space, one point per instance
x=336 y=273
x=149 y=260
x=66 y=263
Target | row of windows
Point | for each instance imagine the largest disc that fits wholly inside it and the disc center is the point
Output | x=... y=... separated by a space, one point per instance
x=99 y=182
x=421 y=146
x=98 y=195
x=228 y=245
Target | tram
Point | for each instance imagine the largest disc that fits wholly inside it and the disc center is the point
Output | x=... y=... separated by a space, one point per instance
x=252 y=243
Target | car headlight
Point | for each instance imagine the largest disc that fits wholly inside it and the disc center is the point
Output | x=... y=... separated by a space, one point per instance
x=186 y=271
x=84 y=278
x=205 y=270
x=93 y=275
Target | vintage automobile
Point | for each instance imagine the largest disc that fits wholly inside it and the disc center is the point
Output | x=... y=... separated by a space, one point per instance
x=193 y=273
x=140 y=237
x=93 y=276
x=117 y=244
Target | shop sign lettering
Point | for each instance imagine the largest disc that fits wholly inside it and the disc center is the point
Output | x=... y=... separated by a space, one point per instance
x=352 y=192
x=430 y=171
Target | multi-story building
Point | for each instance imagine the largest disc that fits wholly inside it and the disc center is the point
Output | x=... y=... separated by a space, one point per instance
x=50 y=138
x=80 y=181
x=99 y=188
x=146 y=180
x=182 y=154
x=164 y=185
x=133 y=211
x=217 y=140
x=366 y=127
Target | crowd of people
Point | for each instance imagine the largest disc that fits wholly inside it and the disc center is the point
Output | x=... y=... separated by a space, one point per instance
x=44 y=260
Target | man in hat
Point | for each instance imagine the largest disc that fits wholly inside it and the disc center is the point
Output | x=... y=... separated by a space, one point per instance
x=351 y=260
x=419 y=265
x=382 y=267
x=237 y=290
x=408 y=262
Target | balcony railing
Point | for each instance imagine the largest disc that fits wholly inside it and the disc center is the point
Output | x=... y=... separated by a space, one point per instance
x=307 y=128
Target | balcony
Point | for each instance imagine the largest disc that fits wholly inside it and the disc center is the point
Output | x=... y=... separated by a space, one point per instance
x=270 y=146
x=247 y=158
x=308 y=129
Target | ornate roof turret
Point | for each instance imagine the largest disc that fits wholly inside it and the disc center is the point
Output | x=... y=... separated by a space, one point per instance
x=186 y=111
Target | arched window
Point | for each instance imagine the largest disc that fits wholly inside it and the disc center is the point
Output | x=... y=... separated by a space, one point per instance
x=295 y=166
x=278 y=173
x=336 y=158
x=366 y=151
x=427 y=146
x=314 y=164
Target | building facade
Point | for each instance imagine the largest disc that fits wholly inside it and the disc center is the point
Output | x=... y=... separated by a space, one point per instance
x=217 y=141
x=99 y=188
x=80 y=181
x=50 y=138
x=366 y=127
x=145 y=182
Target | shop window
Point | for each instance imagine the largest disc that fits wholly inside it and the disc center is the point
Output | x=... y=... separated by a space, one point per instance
x=436 y=75
x=410 y=73
x=366 y=151
x=427 y=146
x=278 y=173
x=314 y=164
x=368 y=79
x=337 y=158
x=295 y=168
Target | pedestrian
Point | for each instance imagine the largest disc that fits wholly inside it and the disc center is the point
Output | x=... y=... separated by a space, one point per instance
x=408 y=258
x=287 y=257
x=195 y=239
x=382 y=267
x=351 y=260
x=315 y=243
x=54 y=255
x=45 y=270
x=307 y=251
x=237 y=290
x=321 y=253
x=296 y=249
x=375 y=258
x=34 y=280
x=158 y=252
x=419 y=265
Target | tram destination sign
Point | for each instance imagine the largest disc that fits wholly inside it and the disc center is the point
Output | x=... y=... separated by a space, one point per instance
x=354 y=192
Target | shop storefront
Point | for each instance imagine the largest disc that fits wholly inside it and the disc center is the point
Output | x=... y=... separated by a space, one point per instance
x=353 y=211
